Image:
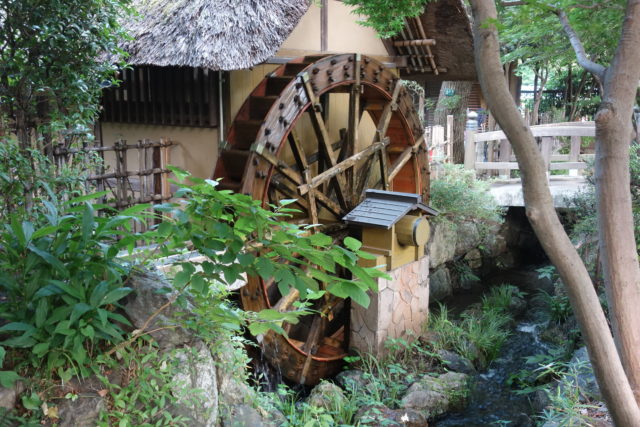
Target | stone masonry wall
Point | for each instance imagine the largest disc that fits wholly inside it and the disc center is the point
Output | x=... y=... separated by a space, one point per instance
x=401 y=304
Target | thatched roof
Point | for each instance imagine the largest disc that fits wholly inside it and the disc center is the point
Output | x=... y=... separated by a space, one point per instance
x=448 y=23
x=215 y=34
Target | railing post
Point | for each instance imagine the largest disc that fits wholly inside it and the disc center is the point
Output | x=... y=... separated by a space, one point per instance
x=545 y=148
x=505 y=156
x=574 y=154
x=449 y=148
x=470 y=140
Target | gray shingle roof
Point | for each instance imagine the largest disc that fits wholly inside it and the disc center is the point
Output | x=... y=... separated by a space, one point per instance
x=385 y=208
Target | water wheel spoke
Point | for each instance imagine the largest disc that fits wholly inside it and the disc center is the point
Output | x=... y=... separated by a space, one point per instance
x=310 y=346
x=324 y=144
x=404 y=158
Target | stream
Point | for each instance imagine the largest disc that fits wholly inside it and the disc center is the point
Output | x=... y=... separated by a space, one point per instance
x=491 y=400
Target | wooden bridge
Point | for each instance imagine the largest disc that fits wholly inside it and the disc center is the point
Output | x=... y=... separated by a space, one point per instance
x=563 y=149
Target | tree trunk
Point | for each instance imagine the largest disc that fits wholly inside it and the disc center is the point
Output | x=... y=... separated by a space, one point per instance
x=545 y=222
x=537 y=97
x=619 y=255
x=444 y=107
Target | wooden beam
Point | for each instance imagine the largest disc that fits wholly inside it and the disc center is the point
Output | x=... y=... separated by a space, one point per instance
x=323 y=139
x=404 y=158
x=420 y=42
x=342 y=166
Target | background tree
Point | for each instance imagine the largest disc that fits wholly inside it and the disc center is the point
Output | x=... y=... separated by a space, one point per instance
x=613 y=135
x=53 y=67
x=454 y=100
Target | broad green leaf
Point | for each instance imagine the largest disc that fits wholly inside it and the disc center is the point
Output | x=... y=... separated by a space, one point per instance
x=50 y=259
x=116 y=295
x=42 y=309
x=3 y=352
x=18 y=326
x=352 y=243
x=40 y=349
x=87 y=197
x=8 y=378
x=77 y=312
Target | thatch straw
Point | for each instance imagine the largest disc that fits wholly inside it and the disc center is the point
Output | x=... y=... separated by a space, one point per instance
x=214 y=34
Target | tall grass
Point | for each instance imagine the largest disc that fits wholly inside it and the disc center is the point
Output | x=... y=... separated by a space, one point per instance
x=479 y=334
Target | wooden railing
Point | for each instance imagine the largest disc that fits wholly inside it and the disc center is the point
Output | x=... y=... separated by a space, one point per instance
x=490 y=151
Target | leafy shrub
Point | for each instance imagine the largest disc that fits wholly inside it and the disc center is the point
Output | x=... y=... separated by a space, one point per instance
x=458 y=194
x=62 y=284
x=28 y=179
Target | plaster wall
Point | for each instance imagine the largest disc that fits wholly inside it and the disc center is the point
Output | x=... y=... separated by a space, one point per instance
x=196 y=149
x=344 y=34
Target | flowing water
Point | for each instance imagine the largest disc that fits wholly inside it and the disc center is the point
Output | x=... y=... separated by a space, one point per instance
x=492 y=401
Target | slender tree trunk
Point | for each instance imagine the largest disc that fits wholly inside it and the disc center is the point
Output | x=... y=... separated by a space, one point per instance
x=545 y=222
x=462 y=89
x=574 y=98
x=614 y=132
x=544 y=74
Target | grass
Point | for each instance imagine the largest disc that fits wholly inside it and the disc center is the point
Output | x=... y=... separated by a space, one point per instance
x=479 y=333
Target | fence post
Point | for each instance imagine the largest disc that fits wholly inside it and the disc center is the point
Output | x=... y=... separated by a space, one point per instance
x=574 y=154
x=470 y=140
x=545 y=149
x=469 y=149
x=505 y=156
x=449 y=149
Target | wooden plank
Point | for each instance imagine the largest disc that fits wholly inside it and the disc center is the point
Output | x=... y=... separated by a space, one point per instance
x=496 y=165
x=567 y=165
x=541 y=131
x=342 y=166
x=469 y=149
x=505 y=156
x=545 y=149
x=419 y=42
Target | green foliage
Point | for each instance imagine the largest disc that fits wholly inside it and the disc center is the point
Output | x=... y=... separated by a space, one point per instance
x=147 y=389
x=479 y=333
x=62 y=283
x=231 y=230
x=28 y=180
x=457 y=194
x=54 y=63
x=387 y=16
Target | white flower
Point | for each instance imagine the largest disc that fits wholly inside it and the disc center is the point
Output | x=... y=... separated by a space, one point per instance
x=404 y=418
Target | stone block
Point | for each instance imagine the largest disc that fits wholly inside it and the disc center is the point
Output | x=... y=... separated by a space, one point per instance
x=401 y=305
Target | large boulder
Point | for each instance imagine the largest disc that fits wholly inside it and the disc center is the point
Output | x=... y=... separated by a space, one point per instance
x=582 y=376
x=456 y=363
x=82 y=412
x=9 y=396
x=352 y=379
x=328 y=396
x=467 y=237
x=197 y=371
x=440 y=284
x=442 y=245
x=148 y=296
x=434 y=396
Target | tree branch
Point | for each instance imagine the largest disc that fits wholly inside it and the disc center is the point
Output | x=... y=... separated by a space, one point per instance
x=596 y=69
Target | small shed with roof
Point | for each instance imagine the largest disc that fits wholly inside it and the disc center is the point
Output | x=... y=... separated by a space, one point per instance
x=394 y=227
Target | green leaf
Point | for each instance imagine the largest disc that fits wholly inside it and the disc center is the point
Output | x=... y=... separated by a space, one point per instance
x=88 y=222
x=3 y=353
x=199 y=284
x=352 y=243
x=87 y=197
x=40 y=349
x=350 y=290
x=9 y=378
x=50 y=259
x=23 y=341
x=42 y=309
x=18 y=326
x=44 y=231
x=88 y=332
x=319 y=239
x=31 y=402
x=180 y=174
x=77 y=312
x=116 y=295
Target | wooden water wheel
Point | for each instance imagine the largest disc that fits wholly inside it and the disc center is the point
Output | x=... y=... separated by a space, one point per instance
x=321 y=130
